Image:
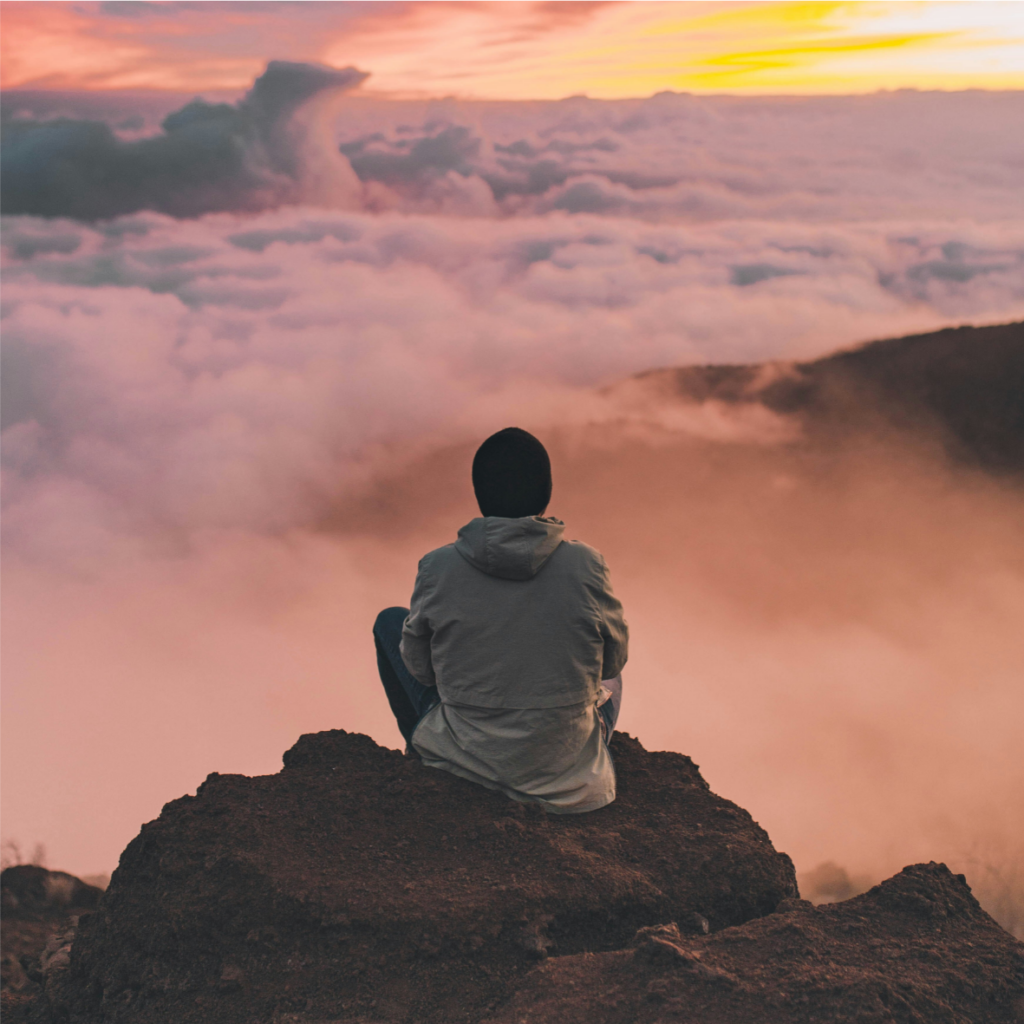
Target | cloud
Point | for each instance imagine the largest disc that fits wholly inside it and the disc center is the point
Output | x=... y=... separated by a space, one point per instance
x=690 y=158
x=247 y=371
x=228 y=438
x=671 y=157
x=208 y=156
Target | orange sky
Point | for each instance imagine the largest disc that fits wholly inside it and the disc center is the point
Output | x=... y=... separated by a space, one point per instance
x=521 y=50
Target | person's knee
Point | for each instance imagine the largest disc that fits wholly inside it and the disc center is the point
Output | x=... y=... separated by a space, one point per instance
x=389 y=620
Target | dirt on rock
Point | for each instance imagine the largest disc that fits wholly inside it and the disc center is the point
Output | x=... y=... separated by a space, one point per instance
x=916 y=949
x=357 y=884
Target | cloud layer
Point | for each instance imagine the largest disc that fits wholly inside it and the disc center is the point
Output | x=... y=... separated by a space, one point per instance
x=230 y=371
x=227 y=439
x=671 y=157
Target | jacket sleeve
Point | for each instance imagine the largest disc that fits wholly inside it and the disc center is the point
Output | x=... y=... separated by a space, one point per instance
x=417 y=631
x=614 y=630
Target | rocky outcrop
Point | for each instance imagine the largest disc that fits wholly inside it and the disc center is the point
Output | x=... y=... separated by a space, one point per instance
x=357 y=884
x=916 y=949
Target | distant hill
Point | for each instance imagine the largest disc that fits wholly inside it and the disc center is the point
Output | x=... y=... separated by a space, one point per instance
x=967 y=383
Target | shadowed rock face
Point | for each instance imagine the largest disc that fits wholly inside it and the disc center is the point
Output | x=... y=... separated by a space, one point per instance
x=357 y=883
x=916 y=948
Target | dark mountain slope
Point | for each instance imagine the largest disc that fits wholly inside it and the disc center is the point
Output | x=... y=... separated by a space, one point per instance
x=965 y=384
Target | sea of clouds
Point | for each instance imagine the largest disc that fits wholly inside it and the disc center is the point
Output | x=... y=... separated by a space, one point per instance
x=232 y=371
x=224 y=334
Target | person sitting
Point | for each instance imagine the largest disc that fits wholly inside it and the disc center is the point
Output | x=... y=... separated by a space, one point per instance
x=506 y=669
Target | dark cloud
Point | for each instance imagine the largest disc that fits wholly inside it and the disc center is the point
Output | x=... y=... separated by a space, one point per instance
x=672 y=156
x=751 y=273
x=587 y=197
x=436 y=152
x=952 y=266
x=952 y=270
x=209 y=156
x=27 y=379
x=25 y=243
x=304 y=233
x=133 y=8
x=413 y=159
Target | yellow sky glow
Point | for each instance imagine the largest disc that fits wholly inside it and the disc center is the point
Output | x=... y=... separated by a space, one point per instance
x=524 y=50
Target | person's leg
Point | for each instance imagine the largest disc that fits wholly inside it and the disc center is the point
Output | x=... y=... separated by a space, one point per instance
x=410 y=700
x=610 y=708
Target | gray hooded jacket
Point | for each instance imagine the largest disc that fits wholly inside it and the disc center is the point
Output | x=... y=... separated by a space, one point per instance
x=516 y=628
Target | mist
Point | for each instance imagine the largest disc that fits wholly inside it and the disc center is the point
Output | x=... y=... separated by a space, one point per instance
x=228 y=438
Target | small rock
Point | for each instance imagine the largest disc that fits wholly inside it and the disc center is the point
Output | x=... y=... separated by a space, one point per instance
x=695 y=924
x=792 y=903
x=660 y=943
x=534 y=936
x=231 y=978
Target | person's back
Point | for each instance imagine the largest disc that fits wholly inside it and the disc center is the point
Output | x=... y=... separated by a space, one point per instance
x=498 y=675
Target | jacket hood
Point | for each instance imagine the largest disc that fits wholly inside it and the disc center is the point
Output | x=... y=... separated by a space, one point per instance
x=511 y=549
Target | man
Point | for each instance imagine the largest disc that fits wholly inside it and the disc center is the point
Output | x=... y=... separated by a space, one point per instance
x=495 y=673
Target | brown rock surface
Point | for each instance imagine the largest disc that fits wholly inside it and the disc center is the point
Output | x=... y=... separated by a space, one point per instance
x=915 y=949
x=356 y=884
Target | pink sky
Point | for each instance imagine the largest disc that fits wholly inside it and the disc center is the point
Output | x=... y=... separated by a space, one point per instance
x=520 y=50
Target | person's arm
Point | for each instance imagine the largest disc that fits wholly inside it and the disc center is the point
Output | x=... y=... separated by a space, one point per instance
x=614 y=630
x=417 y=631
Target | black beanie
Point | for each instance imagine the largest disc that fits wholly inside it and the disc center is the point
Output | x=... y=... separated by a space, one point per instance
x=512 y=475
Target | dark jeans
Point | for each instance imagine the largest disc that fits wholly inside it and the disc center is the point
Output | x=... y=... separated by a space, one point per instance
x=411 y=700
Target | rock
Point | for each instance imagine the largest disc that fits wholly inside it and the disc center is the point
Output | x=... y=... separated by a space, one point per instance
x=357 y=884
x=794 y=904
x=662 y=946
x=697 y=924
x=917 y=948
x=40 y=909
x=231 y=978
x=56 y=955
x=31 y=893
x=660 y=943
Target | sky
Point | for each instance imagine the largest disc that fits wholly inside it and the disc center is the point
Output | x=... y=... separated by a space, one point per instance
x=249 y=348
x=514 y=50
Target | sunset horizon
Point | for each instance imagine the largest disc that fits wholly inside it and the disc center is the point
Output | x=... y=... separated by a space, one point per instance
x=522 y=51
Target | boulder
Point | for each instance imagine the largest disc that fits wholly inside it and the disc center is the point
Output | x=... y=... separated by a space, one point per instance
x=357 y=884
x=916 y=949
